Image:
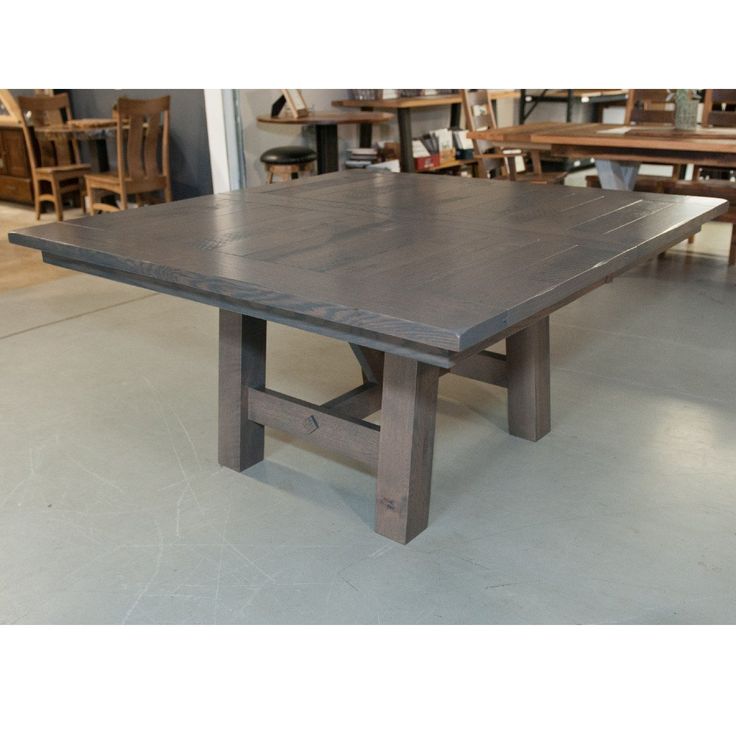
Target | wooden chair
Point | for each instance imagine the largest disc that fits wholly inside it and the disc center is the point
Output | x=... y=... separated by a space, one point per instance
x=646 y=107
x=142 y=136
x=719 y=110
x=54 y=159
x=496 y=162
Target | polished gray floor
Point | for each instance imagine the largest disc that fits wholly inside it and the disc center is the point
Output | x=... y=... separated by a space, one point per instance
x=113 y=508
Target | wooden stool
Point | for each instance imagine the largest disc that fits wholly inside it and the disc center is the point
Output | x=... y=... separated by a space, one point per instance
x=287 y=162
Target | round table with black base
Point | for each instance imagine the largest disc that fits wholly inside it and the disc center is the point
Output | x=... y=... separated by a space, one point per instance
x=325 y=124
x=403 y=107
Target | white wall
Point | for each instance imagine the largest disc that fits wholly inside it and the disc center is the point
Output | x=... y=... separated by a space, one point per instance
x=260 y=136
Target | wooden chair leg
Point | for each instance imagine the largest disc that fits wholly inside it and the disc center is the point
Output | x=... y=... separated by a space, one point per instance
x=37 y=198
x=167 y=192
x=123 y=201
x=91 y=197
x=58 y=204
x=536 y=162
x=732 y=254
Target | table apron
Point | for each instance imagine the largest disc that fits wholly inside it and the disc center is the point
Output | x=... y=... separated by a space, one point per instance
x=645 y=155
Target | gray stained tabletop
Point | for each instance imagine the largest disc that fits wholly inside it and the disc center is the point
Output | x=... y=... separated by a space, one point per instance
x=443 y=263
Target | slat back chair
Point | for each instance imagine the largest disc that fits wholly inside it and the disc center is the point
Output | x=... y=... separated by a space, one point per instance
x=649 y=106
x=719 y=111
x=719 y=108
x=479 y=115
x=142 y=133
x=54 y=157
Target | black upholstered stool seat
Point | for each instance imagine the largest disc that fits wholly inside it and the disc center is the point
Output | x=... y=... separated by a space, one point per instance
x=285 y=155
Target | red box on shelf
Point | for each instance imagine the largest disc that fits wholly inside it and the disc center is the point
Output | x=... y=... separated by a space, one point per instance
x=427 y=162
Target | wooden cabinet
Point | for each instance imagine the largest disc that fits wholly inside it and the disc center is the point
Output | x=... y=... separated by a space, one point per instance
x=15 y=169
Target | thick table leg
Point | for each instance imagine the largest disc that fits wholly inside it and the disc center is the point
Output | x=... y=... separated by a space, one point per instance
x=527 y=360
x=327 y=153
x=405 y=447
x=98 y=154
x=242 y=366
x=405 y=141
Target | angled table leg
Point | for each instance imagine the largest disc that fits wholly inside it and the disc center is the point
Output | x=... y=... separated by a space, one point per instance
x=242 y=366
x=617 y=174
x=371 y=362
x=405 y=448
x=527 y=360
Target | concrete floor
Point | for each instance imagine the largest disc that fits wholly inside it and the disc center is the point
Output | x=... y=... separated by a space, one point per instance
x=113 y=508
x=21 y=267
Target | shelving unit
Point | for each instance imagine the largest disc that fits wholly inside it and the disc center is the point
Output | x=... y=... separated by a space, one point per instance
x=454 y=164
x=594 y=97
x=403 y=107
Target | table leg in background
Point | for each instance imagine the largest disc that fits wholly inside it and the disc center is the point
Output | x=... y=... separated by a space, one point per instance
x=242 y=366
x=327 y=154
x=366 y=131
x=405 y=141
x=406 y=445
x=98 y=154
x=617 y=174
x=455 y=110
x=527 y=359
x=522 y=106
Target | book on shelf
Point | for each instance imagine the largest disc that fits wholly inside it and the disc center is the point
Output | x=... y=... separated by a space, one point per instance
x=391 y=165
x=461 y=140
x=363 y=153
x=419 y=148
x=359 y=158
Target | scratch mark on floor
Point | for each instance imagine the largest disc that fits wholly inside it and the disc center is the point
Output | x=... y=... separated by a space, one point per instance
x=156 y=571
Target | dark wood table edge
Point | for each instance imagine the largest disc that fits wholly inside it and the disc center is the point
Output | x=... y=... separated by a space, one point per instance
x=443 y=356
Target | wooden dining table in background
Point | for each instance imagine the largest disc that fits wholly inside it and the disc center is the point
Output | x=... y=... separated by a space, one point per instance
x=94 y=131
x=619 y=150
x=325 y=124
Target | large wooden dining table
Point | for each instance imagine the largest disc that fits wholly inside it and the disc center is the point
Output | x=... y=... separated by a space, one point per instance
x=419 y=275
x=620 y=149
